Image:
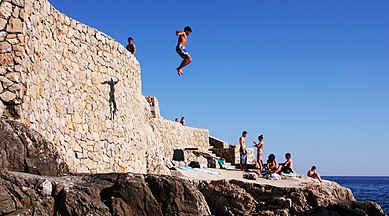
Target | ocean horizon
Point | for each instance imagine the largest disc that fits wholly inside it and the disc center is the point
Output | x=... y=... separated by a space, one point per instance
x=366 y=188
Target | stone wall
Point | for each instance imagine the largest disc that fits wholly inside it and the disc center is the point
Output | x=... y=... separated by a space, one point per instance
x=82 y=91
x=11 y=52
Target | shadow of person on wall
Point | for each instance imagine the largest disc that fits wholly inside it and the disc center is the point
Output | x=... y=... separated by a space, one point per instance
x=112 y=102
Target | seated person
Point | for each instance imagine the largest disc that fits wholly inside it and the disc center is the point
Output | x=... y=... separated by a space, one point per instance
x=286 y=167
x=313 y=174
x=271 y=164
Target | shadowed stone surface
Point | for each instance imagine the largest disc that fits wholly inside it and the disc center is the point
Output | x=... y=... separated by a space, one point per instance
x=24 y=150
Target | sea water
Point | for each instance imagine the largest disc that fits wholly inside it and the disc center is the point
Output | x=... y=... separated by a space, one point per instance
x=366 y=188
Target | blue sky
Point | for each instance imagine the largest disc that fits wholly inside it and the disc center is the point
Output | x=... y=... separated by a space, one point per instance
x=312 y=76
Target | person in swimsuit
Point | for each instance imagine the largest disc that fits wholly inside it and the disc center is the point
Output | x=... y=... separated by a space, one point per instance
x=271 y=163
x=243 y=151
x=313 y=174
x=131 y=47
x=287 y=166
x=259 y=146
x=180 y=49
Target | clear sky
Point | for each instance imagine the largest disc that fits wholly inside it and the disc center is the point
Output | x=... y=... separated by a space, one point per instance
x=311 y=76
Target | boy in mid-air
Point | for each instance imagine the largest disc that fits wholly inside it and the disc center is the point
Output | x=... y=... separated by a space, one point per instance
x=180 y=49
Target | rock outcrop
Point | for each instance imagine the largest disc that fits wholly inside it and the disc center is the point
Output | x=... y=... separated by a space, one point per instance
x=25 y=150
x=137 y=194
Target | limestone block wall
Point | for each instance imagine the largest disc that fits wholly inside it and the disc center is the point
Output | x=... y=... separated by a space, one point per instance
x=83 y=93
x=12 y=87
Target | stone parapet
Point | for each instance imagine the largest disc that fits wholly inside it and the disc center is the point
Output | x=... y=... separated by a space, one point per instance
x=154 y=106
x=217 y=143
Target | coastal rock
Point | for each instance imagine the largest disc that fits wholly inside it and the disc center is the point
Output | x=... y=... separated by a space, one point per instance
x=228 y=199
x=24 y=150
x=137 y=194
x=177 y=195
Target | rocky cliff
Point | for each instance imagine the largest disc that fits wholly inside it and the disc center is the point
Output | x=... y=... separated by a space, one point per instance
x=136 y=194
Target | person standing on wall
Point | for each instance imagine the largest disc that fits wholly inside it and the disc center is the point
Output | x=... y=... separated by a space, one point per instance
x=131 y=47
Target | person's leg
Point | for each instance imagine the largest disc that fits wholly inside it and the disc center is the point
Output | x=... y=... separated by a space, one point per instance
x=318 y=177
x=278 y=169
x=185 y=62
x=245 y=163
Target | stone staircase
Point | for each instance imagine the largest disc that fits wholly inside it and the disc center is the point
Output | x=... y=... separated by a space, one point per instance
x=227 y=165
x=230 y=153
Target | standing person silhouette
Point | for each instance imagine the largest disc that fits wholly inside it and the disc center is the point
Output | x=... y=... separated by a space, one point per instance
x=243 y=151
x=259 y=146
x=180 y=49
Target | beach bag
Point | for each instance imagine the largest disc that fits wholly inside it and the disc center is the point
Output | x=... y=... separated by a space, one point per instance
x=211 y=163
x=194 y=164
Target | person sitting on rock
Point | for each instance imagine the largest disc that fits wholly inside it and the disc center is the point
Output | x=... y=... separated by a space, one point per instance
x=182 y=121
x=286 y=167
x=271 y=163
x=313 y=174
x=131 y=47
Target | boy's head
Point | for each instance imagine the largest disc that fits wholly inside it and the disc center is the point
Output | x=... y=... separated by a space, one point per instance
x=130 y=40
x=244 y=133
x=271 y=157
x=288 y=155
x=187 y=30
x=313 y=168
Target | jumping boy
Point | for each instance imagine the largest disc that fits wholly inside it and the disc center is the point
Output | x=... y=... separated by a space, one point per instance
x=180 y=49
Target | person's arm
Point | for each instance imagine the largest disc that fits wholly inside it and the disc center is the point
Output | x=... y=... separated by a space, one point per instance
x=134 y=49
x=179 y=33
x=255 y=144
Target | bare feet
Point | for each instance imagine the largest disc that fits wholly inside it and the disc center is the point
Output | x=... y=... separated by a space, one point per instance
x=179 y=71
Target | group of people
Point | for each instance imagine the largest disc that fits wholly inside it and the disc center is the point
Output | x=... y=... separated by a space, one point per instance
x=182 y=121
x=271 y=165
x=180 y=48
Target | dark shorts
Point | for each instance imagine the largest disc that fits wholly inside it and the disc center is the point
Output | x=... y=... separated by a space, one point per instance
x=286 y=169
x=181 y=51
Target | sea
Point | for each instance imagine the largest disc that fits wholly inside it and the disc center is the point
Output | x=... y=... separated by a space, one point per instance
x=366 y=188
